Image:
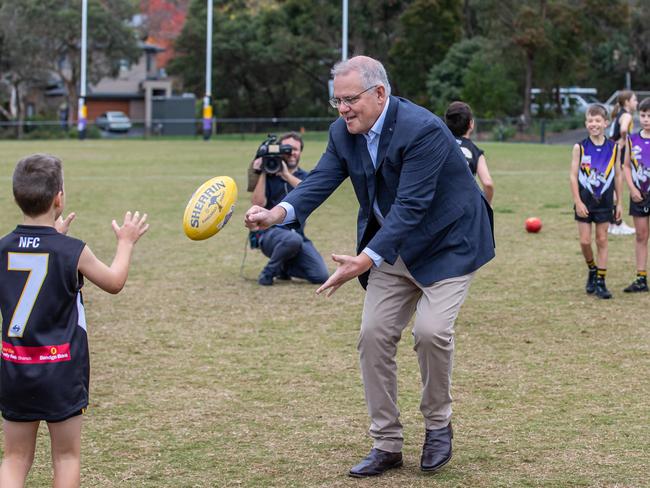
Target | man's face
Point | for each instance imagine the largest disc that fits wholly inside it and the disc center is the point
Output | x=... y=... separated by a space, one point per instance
x=294 y=158
x=363 y=112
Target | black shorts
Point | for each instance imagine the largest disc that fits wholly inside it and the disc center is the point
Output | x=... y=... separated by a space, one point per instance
x=640 y=209
x=596 y=216
x=10 y=418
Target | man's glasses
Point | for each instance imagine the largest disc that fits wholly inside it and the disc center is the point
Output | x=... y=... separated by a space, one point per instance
x=348 y=101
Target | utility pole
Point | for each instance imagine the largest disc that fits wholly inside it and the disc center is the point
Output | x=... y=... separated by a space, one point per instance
x=207 y=100
x=344 y=32
x=83 y=110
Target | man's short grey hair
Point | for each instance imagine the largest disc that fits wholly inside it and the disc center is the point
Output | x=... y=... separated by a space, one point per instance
x=372 y=72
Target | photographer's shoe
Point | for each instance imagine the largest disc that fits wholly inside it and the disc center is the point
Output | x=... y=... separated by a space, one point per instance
x=601 y=289
x=590 y=287
x=283 y=275
x=265 y=278
x=638 y=285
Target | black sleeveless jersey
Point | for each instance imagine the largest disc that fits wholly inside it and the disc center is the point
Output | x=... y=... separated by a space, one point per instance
x=471 y=152
x=616 y=130
x=616 y=133
x=44 y=367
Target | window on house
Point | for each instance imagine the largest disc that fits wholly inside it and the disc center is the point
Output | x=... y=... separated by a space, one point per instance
x=124 y=68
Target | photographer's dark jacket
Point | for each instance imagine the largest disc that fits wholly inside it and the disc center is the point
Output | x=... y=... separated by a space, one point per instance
x=277 y=189
x=436 y=217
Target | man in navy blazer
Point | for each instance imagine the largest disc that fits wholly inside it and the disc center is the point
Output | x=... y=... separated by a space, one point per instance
x=423 y=229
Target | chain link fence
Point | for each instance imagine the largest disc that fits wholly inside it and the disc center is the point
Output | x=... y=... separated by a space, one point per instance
x=507 y=129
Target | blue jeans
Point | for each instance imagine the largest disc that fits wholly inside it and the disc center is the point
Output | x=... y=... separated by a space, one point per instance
x=294 y=254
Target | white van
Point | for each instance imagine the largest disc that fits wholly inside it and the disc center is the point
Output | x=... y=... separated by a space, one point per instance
x=573 y=100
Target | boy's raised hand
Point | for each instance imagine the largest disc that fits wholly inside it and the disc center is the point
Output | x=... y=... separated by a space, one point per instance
x=62 y=226
x=132 y=228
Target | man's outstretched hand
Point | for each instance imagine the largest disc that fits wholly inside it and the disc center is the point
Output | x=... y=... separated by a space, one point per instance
x=349 y=267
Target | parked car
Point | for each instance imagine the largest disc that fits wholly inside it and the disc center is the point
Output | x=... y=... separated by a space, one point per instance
x=113 y=122
x=573 y=100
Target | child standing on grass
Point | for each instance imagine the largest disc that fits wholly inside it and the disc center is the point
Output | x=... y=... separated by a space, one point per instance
x=626 y=104
x=595 y=176
x=44 y=367
x=460 y=121
x=637 y=174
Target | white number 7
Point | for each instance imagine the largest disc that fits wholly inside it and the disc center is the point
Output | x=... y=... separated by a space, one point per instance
x=36 y=265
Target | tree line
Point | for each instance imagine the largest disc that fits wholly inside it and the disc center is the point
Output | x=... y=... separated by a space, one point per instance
x=42 y=37
x=272 y=58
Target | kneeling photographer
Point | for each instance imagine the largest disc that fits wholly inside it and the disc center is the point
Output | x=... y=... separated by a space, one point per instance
x=289 y=251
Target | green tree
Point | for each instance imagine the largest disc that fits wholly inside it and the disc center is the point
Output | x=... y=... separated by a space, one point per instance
x=110 y=39
x=375 y=27
x=23 y=61
x=427 y=29
x=555 y=42
x=640 y=42
x=272 y=60
x=445 y=79
x=488 y=87
x=54 y=26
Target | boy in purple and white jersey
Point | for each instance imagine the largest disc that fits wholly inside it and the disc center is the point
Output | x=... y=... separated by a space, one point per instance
x=595 y=178
x=637 y=174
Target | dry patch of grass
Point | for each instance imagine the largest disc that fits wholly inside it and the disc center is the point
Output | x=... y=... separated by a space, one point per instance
x=202 y=378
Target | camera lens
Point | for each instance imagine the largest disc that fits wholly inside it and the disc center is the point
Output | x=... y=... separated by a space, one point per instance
x=272 y=164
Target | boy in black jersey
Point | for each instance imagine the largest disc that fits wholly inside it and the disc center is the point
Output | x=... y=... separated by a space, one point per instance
x=460 y=121
x=44 y=367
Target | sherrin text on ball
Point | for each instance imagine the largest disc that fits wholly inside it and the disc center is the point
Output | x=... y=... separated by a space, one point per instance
x=210 y=208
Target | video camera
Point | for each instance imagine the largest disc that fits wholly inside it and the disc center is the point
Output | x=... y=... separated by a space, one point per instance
x=273 y=154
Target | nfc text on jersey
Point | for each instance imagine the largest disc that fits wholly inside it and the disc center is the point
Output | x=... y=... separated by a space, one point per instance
x=29 y=242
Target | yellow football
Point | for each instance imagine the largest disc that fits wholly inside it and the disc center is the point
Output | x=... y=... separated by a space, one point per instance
x=210 y=208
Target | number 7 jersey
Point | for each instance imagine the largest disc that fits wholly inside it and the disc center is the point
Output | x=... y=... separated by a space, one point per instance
x=44 y=367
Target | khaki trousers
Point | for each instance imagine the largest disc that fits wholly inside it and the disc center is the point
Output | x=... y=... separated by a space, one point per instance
x=392 y=297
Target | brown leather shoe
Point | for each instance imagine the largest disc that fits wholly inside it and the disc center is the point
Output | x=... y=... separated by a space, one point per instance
x=436 y=451
x=375 y=463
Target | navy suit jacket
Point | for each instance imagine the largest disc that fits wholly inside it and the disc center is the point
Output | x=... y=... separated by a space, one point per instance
x=435 y=216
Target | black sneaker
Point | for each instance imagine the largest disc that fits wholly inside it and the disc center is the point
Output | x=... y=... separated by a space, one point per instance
x=601 y=289
x=265 y=278
x=636 y=286
x=591 y=281
x=283 y=275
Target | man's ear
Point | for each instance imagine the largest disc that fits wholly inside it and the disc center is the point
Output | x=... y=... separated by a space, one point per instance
x=381 y=92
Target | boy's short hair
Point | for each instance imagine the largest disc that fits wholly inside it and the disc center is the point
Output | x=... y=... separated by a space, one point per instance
x=292 y=135
x=36 y=181
x=458 y=118
x=644 y=106
x=596 y=109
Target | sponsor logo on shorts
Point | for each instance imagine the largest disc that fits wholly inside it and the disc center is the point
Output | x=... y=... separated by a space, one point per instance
x=37 y=354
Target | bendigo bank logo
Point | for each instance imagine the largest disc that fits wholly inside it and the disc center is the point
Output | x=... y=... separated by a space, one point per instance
x=213 y=195
x=36 y=354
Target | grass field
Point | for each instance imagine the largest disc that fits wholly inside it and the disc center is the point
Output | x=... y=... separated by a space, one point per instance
x=201 y=378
